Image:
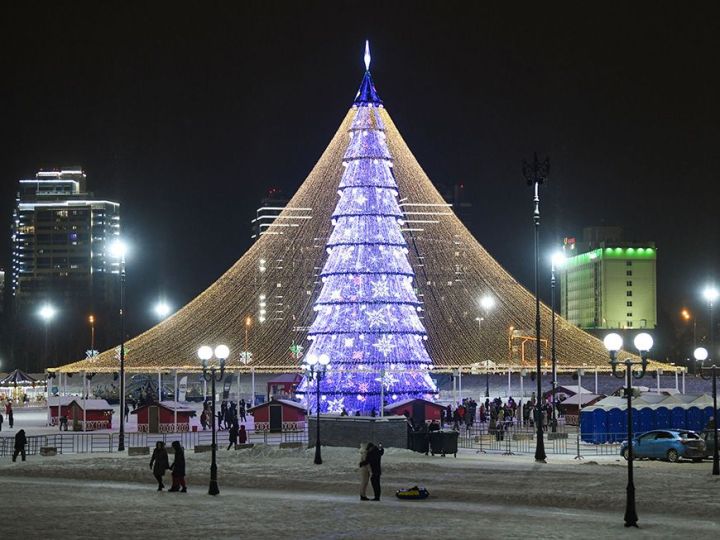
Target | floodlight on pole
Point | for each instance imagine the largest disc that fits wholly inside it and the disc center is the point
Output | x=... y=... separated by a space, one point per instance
x=162 y=309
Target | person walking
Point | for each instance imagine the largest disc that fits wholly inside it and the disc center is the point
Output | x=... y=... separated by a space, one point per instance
x=1 y=421
x=20 y=442
x=178 y=469
x=241 y=411
x=159 y=463
x=364 y=472
x=9 y=414
x=233 y=435
x=242 y=435
x=374 y=455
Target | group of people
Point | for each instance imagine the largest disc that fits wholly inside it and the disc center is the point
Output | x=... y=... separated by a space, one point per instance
x=160 y=462
x=229 y=415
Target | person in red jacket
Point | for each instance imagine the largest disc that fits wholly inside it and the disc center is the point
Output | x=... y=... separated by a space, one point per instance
x=242 y=435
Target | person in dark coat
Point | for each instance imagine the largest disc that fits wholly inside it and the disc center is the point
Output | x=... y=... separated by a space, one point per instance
x=159 y=463
x=233 y=435
x=1 y=421
x=242 y=435
x=20 y=442
x=374 y=454
x=178 y=469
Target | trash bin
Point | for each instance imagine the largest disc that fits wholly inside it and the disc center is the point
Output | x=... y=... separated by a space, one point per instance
x=444 y=442
x=419 y=442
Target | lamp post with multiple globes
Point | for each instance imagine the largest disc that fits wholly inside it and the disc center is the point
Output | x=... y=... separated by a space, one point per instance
x=643 y=343
x=314 y=368
x=210 y=374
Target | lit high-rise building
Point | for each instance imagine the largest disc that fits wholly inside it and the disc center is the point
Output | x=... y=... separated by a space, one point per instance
x=60 y=239
x=60 y=255
x=609 y=283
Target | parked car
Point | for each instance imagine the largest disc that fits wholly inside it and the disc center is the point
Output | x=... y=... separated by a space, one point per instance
x=670 y=444
x=709 y=439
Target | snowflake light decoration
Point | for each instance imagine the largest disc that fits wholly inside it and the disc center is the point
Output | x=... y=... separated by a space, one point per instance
x=375 y=318
x=384 y=345
x=380 y=288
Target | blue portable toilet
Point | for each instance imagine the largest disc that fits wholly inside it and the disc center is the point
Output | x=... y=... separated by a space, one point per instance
x=617 y=424
x=600 y=425
x=645 y=418
x=588 y=430
x=704 y=404
x=695 y=418
x=678 y=416
x=663 y=419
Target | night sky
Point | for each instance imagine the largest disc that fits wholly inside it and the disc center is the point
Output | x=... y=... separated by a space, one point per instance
x=188 y=112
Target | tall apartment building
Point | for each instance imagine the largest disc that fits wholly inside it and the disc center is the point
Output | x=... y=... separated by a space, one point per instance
x=60 y=250
x=609 y=283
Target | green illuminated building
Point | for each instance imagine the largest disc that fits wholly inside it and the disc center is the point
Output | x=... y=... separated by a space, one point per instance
x=609 y=284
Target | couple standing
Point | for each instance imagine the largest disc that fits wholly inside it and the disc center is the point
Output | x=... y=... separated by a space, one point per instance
x=370 y=469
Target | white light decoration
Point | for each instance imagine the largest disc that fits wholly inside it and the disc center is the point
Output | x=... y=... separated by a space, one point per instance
x=487 y=302
x=700 y=354
x=643 y=342
x=613 y=342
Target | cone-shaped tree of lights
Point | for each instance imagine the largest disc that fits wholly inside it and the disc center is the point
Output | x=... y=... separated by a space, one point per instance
x=367 y=311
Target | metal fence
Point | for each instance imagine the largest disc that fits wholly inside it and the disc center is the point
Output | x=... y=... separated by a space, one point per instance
x=522 y=441
x=82 y=443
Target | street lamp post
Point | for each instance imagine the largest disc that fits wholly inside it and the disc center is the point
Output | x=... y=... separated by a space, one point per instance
x=535 y=173
x=643 y=343
x=486 y=303
x=314 y=369
x=118 y=250
x=701 y=355
x=711 y=294
x=210 y=374
x=557 y=260
x=47 y=313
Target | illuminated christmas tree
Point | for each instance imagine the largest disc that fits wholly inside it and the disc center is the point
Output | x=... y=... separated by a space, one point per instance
x=367 y=319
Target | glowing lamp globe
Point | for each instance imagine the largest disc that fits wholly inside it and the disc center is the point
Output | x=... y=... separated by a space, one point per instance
x=162 y=310
x=324 y=359
x=613 y=342
x=700 y=354
x=558 y=259
x=711 y=293
x=487 y=302
x=222 y=352
x=118 y=249
x=643 y=342
x=47 y=312
x=205 y=352
x=312 y=359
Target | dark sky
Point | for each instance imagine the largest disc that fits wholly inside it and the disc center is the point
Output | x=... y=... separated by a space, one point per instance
x=187 y=112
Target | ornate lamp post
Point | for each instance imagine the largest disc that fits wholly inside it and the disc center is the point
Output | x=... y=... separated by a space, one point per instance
x=210 y=374
x=487 y=302
x=557 y=260
x=535 y=173
x=643 y=343
x=314 y=368
x=701 y=355
x=118 y=250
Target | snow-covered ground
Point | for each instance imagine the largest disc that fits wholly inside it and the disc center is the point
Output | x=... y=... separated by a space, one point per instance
x=268 y=492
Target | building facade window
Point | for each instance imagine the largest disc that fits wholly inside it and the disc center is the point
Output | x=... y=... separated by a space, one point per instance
x=629 y=304
x=628 y=293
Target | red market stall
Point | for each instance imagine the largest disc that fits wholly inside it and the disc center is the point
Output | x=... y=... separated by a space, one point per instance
x=283 y=386
x=89 y=414
x=161 y=417
x=64 y=404
x=279 y=415
x=420 y=410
